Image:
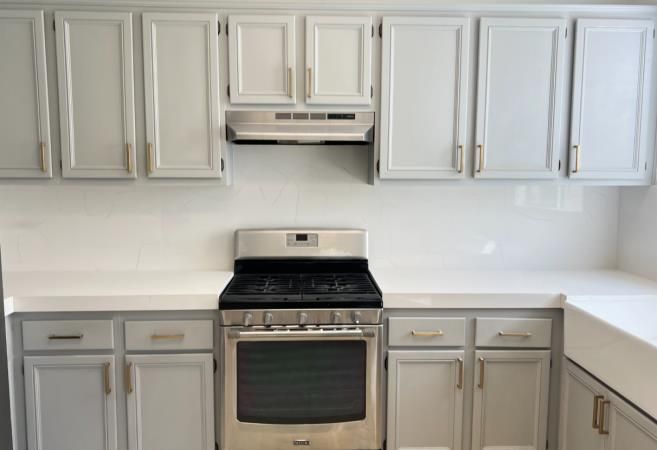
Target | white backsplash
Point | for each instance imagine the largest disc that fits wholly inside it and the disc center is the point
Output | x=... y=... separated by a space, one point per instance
x=637 y=242
x=151 y=225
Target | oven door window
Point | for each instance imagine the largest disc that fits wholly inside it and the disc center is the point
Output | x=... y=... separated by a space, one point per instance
x=301 y=382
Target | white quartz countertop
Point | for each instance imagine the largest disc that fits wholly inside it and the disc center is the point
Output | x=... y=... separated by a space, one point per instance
x=402 y=288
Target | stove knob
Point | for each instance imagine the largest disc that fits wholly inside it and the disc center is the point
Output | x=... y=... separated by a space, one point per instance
x=248 y=319
x=269 y=319
x=336 y=318
x=356 y=317
x=303 y=319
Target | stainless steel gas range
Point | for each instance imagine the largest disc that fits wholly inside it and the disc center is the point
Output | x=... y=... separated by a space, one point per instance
x=302 y=328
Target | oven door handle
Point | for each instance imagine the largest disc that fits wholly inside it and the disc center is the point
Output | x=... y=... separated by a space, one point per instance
x=322 y=333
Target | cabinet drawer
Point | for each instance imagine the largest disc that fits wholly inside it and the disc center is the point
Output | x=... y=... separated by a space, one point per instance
x=169 y=335
x=426 y=331
x=525 y=333
x=68 y=335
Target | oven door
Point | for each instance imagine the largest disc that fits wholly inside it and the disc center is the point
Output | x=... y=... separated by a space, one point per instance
x=313 y=387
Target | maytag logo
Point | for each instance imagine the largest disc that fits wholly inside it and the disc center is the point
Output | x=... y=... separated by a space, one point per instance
x=301 y=442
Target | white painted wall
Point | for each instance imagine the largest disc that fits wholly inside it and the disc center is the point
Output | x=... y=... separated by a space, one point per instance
x=165 y=225
x=637 y=239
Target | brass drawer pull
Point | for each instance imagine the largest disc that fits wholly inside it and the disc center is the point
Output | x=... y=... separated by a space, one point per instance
x=481 y=158
x=522 y=334
x=167 y=337
x=290 y=85
x=310 y=82
x=427 y=333
x=65 y=337
x=150 y=157
x=128 y=155
x=461 y=159
x=44 y=163
x=578 y=158
x=459 y=384
x=128 y=378
x=482 y=367
x=596 y=409
x=108 y=388
x=602 y=430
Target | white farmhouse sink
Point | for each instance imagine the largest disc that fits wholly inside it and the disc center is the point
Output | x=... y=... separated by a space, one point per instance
x=615 y=338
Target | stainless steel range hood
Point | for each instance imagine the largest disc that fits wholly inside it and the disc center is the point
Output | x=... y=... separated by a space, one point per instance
x=270 y=127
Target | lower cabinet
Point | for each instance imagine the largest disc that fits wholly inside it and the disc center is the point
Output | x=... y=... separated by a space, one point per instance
x=70 y=402
x=425 y=400
x=594 y=418
x=511 y=399
x=170 y=402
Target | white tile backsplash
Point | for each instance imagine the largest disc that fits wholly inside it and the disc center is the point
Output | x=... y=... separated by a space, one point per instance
x=637 y=240
x=150 y=225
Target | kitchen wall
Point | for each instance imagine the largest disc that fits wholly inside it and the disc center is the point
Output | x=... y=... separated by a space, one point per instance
x=149 y=225
x=637 y=243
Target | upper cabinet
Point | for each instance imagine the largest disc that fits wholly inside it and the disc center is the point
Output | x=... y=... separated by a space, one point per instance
x=338 y=60
x=519 y=97
x=96 y=99
x=25 y=127
x=262 y=51
x=424 y=88
x=610 y=127
x=181 y=78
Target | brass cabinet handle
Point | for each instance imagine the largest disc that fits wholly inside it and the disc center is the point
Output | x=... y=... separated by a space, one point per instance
x=44 y=163
x=65 y=337
x=427 y=333
x=149 y=156
x=523 y=334
x=128 y=155
x=310 y=82
x=482 y=367
x=578 y=158
x=481 y=158
x=596 y=408
x=461 y=159
x=167 y=337
x=290 y=85
x=602 y=430
x=108 y=388
x=459 y=384
x=128 y=378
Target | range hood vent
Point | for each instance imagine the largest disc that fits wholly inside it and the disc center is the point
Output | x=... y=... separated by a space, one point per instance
x=290 y=127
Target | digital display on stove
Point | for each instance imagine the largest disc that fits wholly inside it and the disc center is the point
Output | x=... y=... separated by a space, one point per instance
x=302 y=240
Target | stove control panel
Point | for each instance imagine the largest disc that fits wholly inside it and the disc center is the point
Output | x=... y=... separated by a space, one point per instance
x=303 y=318
x=302 y=240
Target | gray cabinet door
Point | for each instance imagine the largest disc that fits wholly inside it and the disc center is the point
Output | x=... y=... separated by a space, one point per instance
x=580 y=399
x=519 y=97
x=511 y=399
x=613 y=63
x=170 y=402
x=181 y=78
x=96 y=94
x=24 y=120
x=424 y=85
x=628 y=428
x=70 y=403
x=425 y=400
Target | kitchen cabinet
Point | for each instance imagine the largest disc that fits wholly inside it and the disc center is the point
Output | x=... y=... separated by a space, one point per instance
x=170 y=402
x=96 y=94
x=181 y=76
x=425 y=399
x=610 y=109
x=70 y=402
x=511 y=399
x=25 y=124
x=424 y=97
x=519 y=97
x=629 y=428
x=262 y=53
x=338 y=59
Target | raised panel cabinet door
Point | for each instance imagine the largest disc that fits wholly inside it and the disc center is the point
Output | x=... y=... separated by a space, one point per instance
x=519 y=97
x=96 y=94
x=580 y=399
x=611 y=84
x=425 y=400
x=70 y=402
x=628 y=428
x=424 y=97
x=262 y=59
x=338 y=60
x=511 y=400
x=170 y=402
x=181 y=78
x=24 y=119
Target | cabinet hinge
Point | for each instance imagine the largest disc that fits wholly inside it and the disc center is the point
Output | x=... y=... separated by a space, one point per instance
x=214 y=365
x=566 y=34
x=372 y=30
x=559 y=164
x=61 y=165
x=54 y=25
x=385 y=363
x=371 y=91
x=223 y=166
x=218 y=27
x=550 y=363
x=228 y=89
x=645 y=166
x=381 y=30
x=378 y=170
